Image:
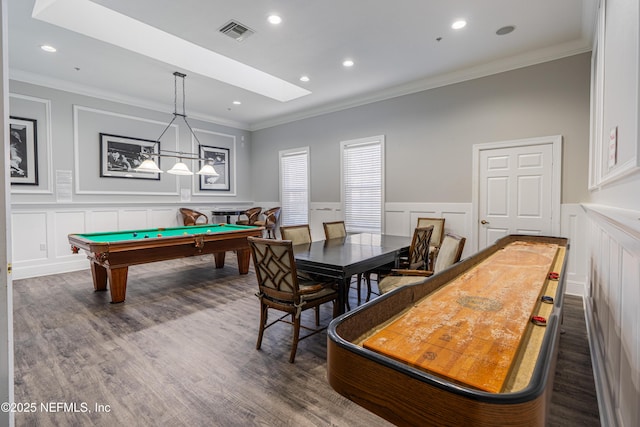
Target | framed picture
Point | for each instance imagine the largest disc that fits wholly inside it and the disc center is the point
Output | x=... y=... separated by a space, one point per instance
x=121 y=155
x=23 y=152
x=219 y=159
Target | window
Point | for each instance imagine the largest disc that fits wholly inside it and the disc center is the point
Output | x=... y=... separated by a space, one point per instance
x=363 y=184
x=294 y=186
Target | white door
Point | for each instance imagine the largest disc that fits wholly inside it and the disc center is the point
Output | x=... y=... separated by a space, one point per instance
x=518 y=188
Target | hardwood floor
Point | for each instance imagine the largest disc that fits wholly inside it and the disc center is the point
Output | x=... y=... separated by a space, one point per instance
x=181 y=351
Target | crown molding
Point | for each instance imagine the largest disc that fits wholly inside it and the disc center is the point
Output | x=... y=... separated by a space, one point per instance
x=445 y=79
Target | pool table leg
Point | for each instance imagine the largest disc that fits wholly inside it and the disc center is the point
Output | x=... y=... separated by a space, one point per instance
x=244 y=258
x=118 y=283
x=243 y=255
x=99 y=274
x=219 y=259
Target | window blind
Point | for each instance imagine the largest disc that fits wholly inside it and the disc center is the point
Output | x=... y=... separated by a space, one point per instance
x=294 y=187
x=362 y=177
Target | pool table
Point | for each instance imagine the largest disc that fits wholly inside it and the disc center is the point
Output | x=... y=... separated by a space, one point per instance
x=112 y=253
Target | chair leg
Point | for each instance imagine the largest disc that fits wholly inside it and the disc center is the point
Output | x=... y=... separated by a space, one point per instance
x=368 y=280
x=296 y=337
x=358 y=287
x=263 y=322
x=318 y=316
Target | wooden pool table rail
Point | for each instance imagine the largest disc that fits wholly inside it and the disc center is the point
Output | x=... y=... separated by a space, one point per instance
x=408 y=396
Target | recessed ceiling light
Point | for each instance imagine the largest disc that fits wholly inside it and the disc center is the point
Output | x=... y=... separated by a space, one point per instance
x=505 y=30
x=274 y=19
x=48 y=48
x=348 y=63
x=461 y=23
x=304 y=79
x=237 y=102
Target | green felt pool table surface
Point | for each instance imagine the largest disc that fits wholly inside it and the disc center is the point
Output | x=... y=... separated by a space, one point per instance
x=119 y=236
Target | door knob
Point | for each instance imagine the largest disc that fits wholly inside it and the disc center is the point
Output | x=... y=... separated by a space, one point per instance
x=483 y=222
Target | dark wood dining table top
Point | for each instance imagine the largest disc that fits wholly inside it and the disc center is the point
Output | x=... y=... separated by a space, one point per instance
x=355 y=253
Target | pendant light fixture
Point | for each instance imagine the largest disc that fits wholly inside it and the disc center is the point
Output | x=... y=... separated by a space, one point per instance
x=180 y=168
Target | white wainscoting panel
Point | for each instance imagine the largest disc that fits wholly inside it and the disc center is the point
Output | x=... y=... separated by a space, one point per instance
x=574 y=226
x=133 y=219
x=29 y=230
x=613 y=317
x=65 y=223
x=396 y=222
x=103 y=220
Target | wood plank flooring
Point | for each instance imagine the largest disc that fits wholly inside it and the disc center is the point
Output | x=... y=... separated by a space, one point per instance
x=181 y=352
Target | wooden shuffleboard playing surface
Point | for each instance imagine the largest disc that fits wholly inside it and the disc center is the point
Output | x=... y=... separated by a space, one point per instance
x=470 y=331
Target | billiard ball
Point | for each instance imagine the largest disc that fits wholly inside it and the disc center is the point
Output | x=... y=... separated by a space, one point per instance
x=185 y=233
x=159 y=235
x=135 y=234
x=146 y=236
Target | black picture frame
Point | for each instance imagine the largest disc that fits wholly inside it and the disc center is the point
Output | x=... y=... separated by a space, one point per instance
x=220 y=158
x=23 y=153
x=120 y=155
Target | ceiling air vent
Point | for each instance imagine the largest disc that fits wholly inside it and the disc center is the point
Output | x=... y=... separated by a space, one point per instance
x=236 y=31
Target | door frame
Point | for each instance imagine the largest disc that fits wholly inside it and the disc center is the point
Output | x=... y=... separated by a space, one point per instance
x=556 y=185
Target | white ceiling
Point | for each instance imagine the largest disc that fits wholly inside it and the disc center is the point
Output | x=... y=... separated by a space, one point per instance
x=394 y=45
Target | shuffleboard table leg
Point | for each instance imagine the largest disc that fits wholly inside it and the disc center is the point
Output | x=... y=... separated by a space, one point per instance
x=99 y=274
x=118 y=283
x=244 y=258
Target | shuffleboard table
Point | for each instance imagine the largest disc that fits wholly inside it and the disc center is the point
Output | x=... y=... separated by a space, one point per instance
x=473 y=345
x=111 y=253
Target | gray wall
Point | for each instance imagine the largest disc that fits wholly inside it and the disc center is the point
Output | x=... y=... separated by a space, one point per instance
x=429 y=135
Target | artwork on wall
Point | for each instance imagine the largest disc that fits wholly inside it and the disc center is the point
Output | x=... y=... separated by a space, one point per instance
x=120 y=155
x=23 y=151
x=220 y=161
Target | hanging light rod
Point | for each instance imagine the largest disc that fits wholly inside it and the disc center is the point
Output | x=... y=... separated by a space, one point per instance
x=180 y=168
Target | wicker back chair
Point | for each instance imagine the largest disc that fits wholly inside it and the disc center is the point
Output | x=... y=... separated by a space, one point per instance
x=436 y=236
x=191 y=217
x=270 y=222
x=251 y=214
x=281 y=289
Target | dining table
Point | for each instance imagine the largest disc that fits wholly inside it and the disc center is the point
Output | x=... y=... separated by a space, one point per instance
x=341 y=258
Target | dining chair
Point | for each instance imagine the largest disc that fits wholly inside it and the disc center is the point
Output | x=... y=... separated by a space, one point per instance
x=191 y=217
x=416 y=260
x=270 y=221
x=251 y=214
x=436 y=236
x=449 y=254
x=298 y=234
x=334 y=229
x=281 y=289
